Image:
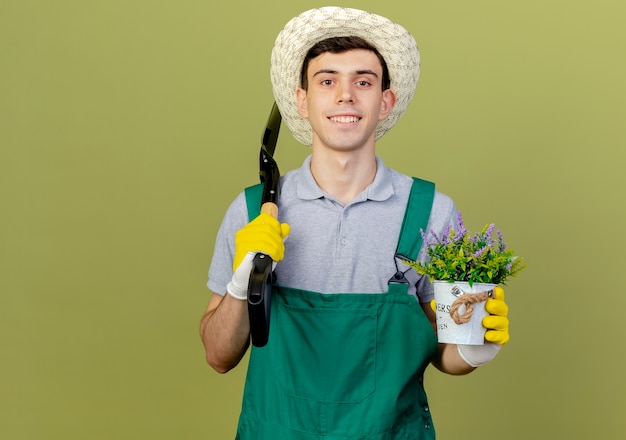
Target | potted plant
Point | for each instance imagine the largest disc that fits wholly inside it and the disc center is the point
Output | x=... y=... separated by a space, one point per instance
x=464 y=268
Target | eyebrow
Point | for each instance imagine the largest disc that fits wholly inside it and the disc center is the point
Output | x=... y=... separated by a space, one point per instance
x=334 y=72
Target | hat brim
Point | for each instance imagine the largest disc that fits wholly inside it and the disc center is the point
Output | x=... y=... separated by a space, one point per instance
x=396 y=45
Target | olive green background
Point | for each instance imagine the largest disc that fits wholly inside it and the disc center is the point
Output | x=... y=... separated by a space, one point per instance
x=127 y=127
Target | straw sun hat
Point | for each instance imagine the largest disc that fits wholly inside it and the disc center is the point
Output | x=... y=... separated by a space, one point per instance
x=394 y=43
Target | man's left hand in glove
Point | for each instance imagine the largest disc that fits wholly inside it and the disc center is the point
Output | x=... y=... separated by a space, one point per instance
x=497 y=334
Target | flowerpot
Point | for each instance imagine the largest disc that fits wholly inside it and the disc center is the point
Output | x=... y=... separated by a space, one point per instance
x=467 y=304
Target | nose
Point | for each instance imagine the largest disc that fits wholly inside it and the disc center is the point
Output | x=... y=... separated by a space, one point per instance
x=345 y=94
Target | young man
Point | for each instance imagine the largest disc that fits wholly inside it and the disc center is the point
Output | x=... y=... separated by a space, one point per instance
x=352 y=327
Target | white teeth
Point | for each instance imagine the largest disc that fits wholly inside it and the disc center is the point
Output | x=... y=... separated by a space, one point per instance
x=344 y=119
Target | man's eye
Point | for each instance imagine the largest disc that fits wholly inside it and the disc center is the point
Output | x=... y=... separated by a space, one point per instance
x=327 y=82
x=363 y=83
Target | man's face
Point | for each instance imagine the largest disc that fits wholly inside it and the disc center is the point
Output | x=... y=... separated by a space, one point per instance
x=345 y=100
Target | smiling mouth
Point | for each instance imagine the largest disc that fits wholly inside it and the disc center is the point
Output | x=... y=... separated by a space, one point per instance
x=345 y=119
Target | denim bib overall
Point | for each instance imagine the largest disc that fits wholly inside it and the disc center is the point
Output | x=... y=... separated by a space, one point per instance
x=345 y=366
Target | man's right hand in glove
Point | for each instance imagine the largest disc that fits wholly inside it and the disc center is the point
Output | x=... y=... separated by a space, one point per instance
x=264 y=234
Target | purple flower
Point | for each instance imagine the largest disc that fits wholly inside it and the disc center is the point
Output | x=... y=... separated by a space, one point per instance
x=425 y=238
x=462 y=231
x=461 y=223
x=481 y=252
x=489 y=232
x=445 y=235
x=501 y=240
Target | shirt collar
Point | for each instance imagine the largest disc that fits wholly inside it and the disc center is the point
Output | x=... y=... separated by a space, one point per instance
x=379 y=190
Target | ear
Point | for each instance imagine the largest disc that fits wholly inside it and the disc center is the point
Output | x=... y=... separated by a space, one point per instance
x=303 y=106
x=387 y=104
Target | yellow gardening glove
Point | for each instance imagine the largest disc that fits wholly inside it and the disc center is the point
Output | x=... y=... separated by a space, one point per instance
x=264 y=234
x=497 y=334
x=497 y=323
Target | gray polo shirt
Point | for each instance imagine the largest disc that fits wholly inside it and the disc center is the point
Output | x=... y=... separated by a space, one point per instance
x=336 y=248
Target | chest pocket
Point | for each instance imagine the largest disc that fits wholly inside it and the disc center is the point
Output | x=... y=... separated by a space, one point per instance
x=327 y=354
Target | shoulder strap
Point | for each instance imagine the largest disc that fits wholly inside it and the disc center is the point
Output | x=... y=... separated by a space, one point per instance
x=254 y=194
x=415 y=218
x=416 y=214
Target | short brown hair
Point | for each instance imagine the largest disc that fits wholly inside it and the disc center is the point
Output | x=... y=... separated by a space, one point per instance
x=340 y=45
